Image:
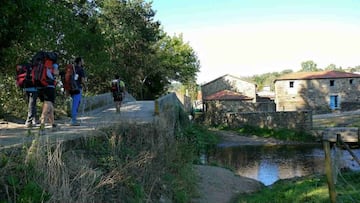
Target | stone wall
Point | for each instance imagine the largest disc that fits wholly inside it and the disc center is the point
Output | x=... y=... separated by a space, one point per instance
x=315 y=94
x=170 y=114
x=239 y=106
x=350 y=106
x=296 y=120
x=185 y=100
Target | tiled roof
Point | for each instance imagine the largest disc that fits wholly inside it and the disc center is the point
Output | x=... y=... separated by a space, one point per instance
x=318 y=75
x=227 y=95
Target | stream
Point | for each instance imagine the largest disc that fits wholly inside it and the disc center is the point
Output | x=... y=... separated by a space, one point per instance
x=268 y=164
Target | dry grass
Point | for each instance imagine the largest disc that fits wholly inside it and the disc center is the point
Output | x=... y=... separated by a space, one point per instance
x=126 y=162
x=54 y=176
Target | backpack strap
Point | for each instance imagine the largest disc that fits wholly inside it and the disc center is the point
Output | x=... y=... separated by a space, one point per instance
x=73 y=68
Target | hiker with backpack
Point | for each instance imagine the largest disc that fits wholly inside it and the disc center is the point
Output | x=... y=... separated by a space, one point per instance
x=118 y=91
x=47 y=96
x=44 y=72
x=80 y=80
x=24 y=81
x=39 y=80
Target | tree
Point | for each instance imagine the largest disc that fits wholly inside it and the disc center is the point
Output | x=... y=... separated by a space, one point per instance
x=131 y=32
x=355 y=69
x=286 y=71
x=330 y=67
x=141 y=52
x=112 y=36
x=177 y=61
x=308 y=66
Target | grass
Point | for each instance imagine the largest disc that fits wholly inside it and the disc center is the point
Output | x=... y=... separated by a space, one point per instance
x=191 y=142
x=307 y=189
x=200 y=138
x=280 y=134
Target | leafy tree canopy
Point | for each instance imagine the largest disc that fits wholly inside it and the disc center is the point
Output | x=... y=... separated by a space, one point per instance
x=309 y=66
x=113 y=37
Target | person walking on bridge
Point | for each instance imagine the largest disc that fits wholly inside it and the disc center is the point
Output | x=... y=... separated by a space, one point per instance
x=47 y=96
x=118 y=91
x=80 y=78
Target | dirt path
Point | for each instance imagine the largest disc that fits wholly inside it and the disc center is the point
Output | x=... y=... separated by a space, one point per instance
x=219 y=185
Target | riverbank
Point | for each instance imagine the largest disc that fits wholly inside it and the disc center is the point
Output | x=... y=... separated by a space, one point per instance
x=217 y=184
x=230 y=138
x=242 y=187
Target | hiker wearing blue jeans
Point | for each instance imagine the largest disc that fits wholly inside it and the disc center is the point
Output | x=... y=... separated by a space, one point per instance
x=76 y=98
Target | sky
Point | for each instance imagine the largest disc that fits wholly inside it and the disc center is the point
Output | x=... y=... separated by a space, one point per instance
x=250 y=37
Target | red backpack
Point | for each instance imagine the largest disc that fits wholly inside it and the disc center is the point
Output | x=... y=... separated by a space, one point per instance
x=24 y=76
x=115 y=86
x=70 y=84
x=42 y=62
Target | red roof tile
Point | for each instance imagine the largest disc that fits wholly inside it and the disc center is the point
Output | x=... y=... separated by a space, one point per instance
x=227 y=95
x=318 y=75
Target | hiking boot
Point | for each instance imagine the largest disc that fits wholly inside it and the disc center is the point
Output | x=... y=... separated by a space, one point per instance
x=54 y=127
x=75 y=124
x=29 y=125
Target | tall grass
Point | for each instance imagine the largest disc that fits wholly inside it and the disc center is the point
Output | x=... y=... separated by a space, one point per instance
x=125 y=163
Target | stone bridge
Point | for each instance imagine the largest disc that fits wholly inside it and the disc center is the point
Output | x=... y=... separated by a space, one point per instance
x=98 y=112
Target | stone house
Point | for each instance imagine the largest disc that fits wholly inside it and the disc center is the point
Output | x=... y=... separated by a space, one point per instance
x=229 y=93
x=231 y=83
x=321 y=91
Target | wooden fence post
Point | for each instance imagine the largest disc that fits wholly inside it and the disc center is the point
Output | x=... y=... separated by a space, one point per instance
x=156 y=107
x=329 y=172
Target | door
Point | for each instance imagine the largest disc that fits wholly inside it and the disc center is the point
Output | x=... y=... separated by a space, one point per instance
x=334 y=102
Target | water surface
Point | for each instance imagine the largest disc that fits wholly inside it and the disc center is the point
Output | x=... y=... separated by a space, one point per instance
x=268 y=164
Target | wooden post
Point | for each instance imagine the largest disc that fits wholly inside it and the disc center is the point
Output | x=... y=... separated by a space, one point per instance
x=156 y=107
x=358 y=136
x=329 y=172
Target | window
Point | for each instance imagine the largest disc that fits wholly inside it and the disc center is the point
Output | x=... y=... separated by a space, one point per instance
x=291 y=84
x=351 y=81
x=332 y=83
